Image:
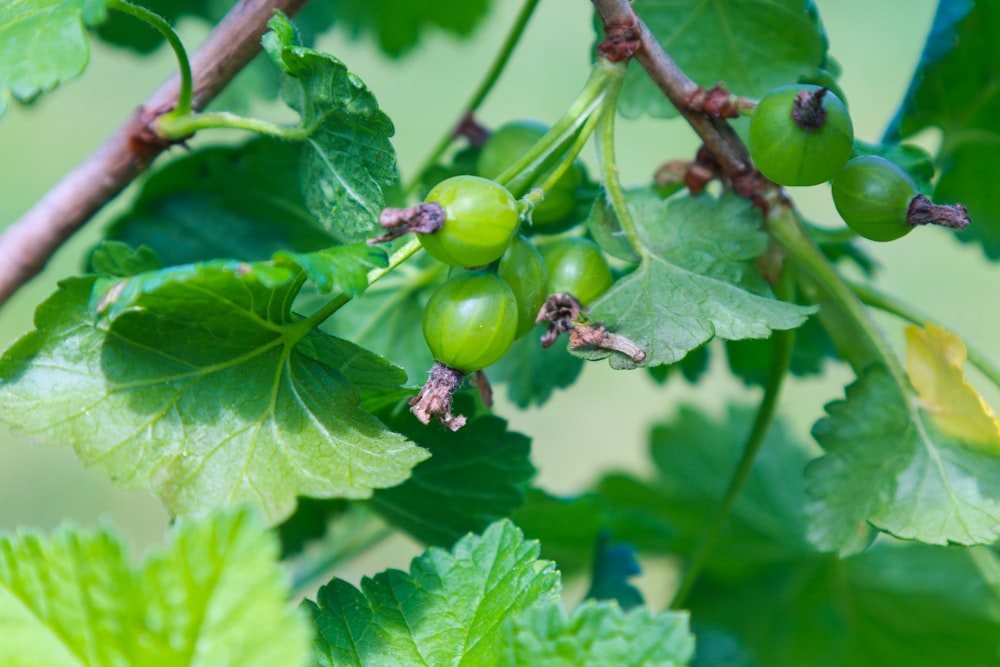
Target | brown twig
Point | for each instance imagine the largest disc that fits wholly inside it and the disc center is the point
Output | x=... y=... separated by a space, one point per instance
x=27 y=245
x=720 y=139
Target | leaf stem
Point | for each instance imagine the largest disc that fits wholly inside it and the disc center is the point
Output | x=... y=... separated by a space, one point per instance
x=186 y=92
x=609 y=166
x=484 y=88
x=401 y=254
x=781 y=359
x=876 y=298
x=172 y=126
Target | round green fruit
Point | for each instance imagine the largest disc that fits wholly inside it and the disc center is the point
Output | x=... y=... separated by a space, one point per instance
x=873 y=197
x=480 y=218
x=507 y=145
x=578 y=267
x=800 y=136
x=524 y=270
x=470 y=321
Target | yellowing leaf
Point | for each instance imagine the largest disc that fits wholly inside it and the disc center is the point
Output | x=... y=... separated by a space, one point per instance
x=934 y=359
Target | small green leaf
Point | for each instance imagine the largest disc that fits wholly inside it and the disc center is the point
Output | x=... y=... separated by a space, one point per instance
x=400 y=24
x=887 y=463
x=114 y=258
x=344 y=268
x=199 y=382
x=43 y=44
x=696 y=280
x=751 y=46
x=214 y=596
x=954 y=89
x=597 y=634
x=347 y=160
x=449 y=609
x=234 y=202
x=532 y=373
x=614 y=565
x=475 y=476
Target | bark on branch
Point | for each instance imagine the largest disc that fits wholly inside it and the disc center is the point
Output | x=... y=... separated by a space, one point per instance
x=719 y=137
x=27 y=245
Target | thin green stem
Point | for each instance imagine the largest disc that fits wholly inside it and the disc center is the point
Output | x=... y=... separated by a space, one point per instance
x=609 y=165
x=186 y=93
x=876 y=298
x=484 y=88
x=781 y=359
x=177 y=126
x=402 y=254
x=868 y=343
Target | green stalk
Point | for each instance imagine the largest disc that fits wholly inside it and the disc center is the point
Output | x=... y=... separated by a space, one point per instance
x=609 y=165
x=179 y=126
x=866 y=344
x=485 y=86
x=876 y=298
x=186 y=93
x=781 y=359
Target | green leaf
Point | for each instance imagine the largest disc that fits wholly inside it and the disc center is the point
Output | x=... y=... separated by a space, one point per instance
x=448 y=609
x=696 y=279
x=475 y=476
x=114 y=258
x=400 y=24
x=239 y=202
x=532 y=373
x=347 y=160
x=913 y=605
x=954 y=89
x=597 y=635
x=692 y=366
x=888 y=464
x=750 y=360
x=43 y=44
x=344 y=268
x=199 y=383
x=214 y=596
x=751 y=46
x=614 y=565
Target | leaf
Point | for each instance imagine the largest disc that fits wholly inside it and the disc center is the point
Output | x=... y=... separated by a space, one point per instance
x=399 y=25
x=888 y=463
x=954 y=89
x=934 y=359
x=199 y=383
x=238 y=202
x=43 y=44
x=115 y=258
x=347 y=160
x=750 y=360
x=344 y=268
x=751 y=46
x=214 y=596
x=532 y=373
x=911 y=604
x=597 y=634
x=475 y=476
x=449 y=608
x=696 y=280
x=614 y=565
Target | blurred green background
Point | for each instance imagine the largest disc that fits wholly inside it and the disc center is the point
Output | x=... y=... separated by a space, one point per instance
x=601 y=422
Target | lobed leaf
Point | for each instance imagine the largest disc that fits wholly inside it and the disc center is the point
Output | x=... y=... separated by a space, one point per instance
x=214 y=596
x=449 y=609
x=347 y=161
x=475 y=476
x=597 y=634
x=343 y=268
x=200 y=383
x=43 y=44
x=954 y=89
x=751 y=46
x=696 y=279
x=887 y=462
